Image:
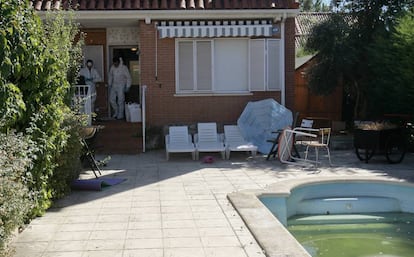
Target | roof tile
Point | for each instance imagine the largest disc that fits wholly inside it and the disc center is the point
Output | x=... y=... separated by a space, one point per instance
x=100 y=5
x=191 y=4
x=91 y=5
x=146 y=4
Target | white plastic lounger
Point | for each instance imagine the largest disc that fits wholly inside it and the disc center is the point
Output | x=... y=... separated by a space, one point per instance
x=234 y=141
x=208 y=140
x=179 y=141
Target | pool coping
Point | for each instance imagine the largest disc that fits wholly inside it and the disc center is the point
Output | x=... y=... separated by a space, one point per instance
x=269 y=232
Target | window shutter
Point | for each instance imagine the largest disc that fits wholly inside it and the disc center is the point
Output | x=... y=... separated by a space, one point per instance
x=185 y=66
x=231 y=65
x=204 y=66
x=257 y=65
x=273 y=65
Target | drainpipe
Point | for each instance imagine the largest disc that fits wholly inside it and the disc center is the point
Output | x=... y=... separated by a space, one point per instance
x=283 y=70
x=143 y=110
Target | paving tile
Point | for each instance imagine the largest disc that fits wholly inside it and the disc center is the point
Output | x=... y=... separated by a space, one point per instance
x=144 y=217
x=71 y=235
x=216 y=231
x=177 y=216
x=108 y=218
x=145 y=225
x=39 y=233
x=144 y=233
x=105 y=244
x=225 y=252
x=143 y=243
x=218 y=241
x=32 y=249
x=143 y=253
x=146 y=209
x=77 y=227
x=180 y=232
x=178 y=224
x=185 y=252
x=113 y=234
x=208 y=223
x=65 y=246
x=109 y=226
x=105 y=253
x=177 y=242
x=63 y=254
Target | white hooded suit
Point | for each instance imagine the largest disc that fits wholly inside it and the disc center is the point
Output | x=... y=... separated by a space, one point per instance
x=119 y=81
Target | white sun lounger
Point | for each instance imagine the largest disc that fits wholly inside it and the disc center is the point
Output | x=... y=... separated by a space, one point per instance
x=208 y=140
x=234 y=141
x=179 y=141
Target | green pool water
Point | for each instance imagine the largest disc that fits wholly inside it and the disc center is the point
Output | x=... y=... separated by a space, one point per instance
x=367 y=235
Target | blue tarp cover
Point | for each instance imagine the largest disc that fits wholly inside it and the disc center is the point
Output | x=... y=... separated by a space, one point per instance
x=260 y=118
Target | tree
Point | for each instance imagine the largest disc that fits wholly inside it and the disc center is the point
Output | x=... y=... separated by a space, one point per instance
x=392 y=60
x=342 y=44
x=314 y=6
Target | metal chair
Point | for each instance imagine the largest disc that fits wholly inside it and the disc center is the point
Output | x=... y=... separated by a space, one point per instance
x=88 y=133
x=323 y=136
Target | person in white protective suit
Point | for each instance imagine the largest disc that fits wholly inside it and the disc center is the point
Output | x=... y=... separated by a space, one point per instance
x=119 y=81
x=91 y=76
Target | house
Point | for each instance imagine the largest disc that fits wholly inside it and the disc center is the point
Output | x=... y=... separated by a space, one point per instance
x=200 y=60
x=328 y=107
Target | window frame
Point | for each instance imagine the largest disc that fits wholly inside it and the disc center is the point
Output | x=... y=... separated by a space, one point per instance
x=214 y=91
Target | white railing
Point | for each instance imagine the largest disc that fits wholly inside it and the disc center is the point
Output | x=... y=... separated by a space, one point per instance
x=81 y=101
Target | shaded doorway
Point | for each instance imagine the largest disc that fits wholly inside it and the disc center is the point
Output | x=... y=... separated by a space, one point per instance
x=130 y=57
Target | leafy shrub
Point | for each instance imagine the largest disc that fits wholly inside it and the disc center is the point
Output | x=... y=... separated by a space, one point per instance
x=68 y=164
x=16 y=199
x=37 y=60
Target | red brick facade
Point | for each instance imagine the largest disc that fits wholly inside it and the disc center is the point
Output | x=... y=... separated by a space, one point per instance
x=164 y=108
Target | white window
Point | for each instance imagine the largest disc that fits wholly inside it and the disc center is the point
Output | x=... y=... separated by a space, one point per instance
x=228 y=65
x=265 y=65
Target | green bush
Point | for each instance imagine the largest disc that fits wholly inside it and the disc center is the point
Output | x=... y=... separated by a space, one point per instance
x=68 y=164
x=16 y=199
x=37 y=60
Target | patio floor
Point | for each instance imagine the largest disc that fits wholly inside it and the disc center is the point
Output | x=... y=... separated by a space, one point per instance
x=175 y=208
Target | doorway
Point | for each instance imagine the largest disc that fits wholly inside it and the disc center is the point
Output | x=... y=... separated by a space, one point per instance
x=130 y=57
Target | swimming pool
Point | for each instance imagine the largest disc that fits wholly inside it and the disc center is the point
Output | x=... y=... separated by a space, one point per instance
x=316 y=195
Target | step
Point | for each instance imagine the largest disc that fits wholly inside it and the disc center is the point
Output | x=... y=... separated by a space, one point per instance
x=118 y=137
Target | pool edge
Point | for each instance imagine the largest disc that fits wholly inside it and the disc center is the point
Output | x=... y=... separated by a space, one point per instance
x=269 y=232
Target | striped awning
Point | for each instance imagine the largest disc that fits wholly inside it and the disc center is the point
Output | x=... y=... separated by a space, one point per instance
x=212 y=29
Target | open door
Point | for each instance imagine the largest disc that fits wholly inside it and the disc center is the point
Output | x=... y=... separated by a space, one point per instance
x=130 y=57
x=96 y=54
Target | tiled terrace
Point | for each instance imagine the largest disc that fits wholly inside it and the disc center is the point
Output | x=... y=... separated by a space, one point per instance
x=175 y=208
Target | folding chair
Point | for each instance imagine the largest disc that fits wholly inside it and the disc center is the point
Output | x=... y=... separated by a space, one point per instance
x=285 y=147
x=89 y=133
x=274 y=149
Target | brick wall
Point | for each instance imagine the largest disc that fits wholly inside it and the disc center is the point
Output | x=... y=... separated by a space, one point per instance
x=164 y=108
x=290 y=62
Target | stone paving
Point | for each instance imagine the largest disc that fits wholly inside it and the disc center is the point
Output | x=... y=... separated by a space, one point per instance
x=176 y=208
